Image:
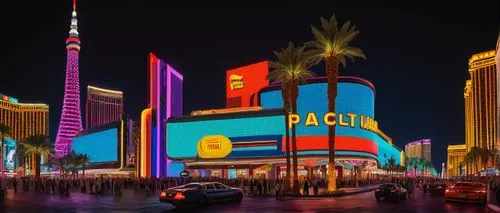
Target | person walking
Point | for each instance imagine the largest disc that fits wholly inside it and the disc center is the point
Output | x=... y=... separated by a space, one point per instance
x=277 y=189
x=305 y=191
x=315 y=185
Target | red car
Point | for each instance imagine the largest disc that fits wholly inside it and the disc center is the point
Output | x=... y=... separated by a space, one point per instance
x=466 y=192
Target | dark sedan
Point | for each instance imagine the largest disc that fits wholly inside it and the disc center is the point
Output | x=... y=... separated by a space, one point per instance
x=437 y=187
x=200 y=193
x=392 y=191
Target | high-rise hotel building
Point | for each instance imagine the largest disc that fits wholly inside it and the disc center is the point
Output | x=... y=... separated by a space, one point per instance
x=24 y=119
x=480 y=96
x=455 y=161
x=419 y=149
x=103 y=106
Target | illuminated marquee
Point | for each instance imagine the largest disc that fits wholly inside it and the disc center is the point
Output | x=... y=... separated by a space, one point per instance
x=236 y=81
x=330 y=119
x=214 y=146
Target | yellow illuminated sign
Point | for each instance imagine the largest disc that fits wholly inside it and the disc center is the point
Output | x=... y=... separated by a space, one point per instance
x=332 y=119
x=236 y=81
x=214 y=146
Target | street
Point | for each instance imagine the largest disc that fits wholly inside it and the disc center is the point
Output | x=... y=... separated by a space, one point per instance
x=138 y=202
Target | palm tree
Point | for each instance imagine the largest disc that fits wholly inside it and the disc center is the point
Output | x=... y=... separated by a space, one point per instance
x=475 y=153
x=4 y=131
x=38 y=145
x=84 y=160
x=291 y=68
x=468 y=160
x=331 y=45
x=391 y=164
x=484 y=154
x=422 y=162
x=429 y=166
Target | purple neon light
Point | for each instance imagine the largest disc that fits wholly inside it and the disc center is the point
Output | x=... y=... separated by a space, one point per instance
x=158 y=117
x=170 y=71
x=423 y=141
x=71 y=119
x=71 y=122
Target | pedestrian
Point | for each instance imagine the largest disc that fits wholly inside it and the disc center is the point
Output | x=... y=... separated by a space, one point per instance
x=305 y=191
x=315 y=185
x=14 y=183
x=277 y=188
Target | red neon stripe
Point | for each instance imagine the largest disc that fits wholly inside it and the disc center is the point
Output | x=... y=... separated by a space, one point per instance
x=148 y=145
x=342 y=143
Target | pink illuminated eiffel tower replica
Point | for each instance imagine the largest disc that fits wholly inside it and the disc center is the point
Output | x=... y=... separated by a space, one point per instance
x=71 y=120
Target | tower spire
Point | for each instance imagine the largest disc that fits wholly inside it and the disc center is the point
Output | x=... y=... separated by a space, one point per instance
x=73 y=32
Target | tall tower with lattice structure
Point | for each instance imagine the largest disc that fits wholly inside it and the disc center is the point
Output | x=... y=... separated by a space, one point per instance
x=71 y=120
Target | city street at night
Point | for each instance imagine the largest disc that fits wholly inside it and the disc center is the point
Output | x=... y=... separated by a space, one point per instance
x=338 y=106
x=139 y=202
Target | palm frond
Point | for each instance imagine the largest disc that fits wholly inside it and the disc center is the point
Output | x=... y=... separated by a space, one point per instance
x=330 y=41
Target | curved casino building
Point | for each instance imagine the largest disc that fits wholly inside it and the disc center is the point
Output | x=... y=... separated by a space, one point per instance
x=248 y=138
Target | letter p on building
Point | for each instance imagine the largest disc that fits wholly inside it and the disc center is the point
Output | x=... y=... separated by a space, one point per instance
x=293 y=119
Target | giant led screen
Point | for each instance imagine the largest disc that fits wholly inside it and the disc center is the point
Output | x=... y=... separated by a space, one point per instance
x=184 y=134
x=101 y=146
x=10 y=151
x=355 y=104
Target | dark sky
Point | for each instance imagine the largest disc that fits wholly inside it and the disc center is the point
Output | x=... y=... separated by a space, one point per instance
x=417 y=54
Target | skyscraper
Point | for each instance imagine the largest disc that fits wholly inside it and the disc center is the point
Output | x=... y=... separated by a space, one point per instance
x=71 y=120
x=480 y=96
x=419 y=149
x=103 y=106
x=24 y=120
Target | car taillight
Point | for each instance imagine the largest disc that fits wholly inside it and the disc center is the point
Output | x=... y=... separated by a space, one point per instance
x=480 y=191
x=179 y=196
x=163 y=194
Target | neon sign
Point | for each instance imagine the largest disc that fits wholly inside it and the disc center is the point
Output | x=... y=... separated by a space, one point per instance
x=330 y=119
x=214 y=146
x=236 y=81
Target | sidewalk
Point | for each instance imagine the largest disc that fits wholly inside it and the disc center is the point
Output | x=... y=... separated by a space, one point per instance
x=492 y=202
x=346 y=192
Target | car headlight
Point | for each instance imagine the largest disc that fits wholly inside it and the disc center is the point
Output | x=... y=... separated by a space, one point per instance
x=163 y=194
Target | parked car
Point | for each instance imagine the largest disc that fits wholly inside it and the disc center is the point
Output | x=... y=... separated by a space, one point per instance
x=466 y=192
x=392 y=191
x=437 y=187
x=200 y=193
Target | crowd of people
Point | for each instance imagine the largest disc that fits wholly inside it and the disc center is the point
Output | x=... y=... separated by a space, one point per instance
x=105 y=185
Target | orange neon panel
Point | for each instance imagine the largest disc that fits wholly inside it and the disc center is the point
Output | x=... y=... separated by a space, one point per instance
x=145 y=141
x=342 y=143
x=243 y=82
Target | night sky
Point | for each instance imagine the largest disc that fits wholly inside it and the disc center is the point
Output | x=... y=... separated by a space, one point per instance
x=417 y=54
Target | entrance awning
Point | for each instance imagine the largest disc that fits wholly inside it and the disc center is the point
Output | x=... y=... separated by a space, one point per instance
x=267 y=167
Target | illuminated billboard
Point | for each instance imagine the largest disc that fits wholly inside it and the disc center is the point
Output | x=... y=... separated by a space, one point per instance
x=105 y=145
x=254 y=134
x=356 y=127
x=10 y=152
x=101 y=146
x=243 y=83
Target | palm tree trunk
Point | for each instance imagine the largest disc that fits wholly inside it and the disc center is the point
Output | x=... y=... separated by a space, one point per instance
x=294 y=95
x=37 y=165
x=287 y=149
x=286 y=105
x=332 y=67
